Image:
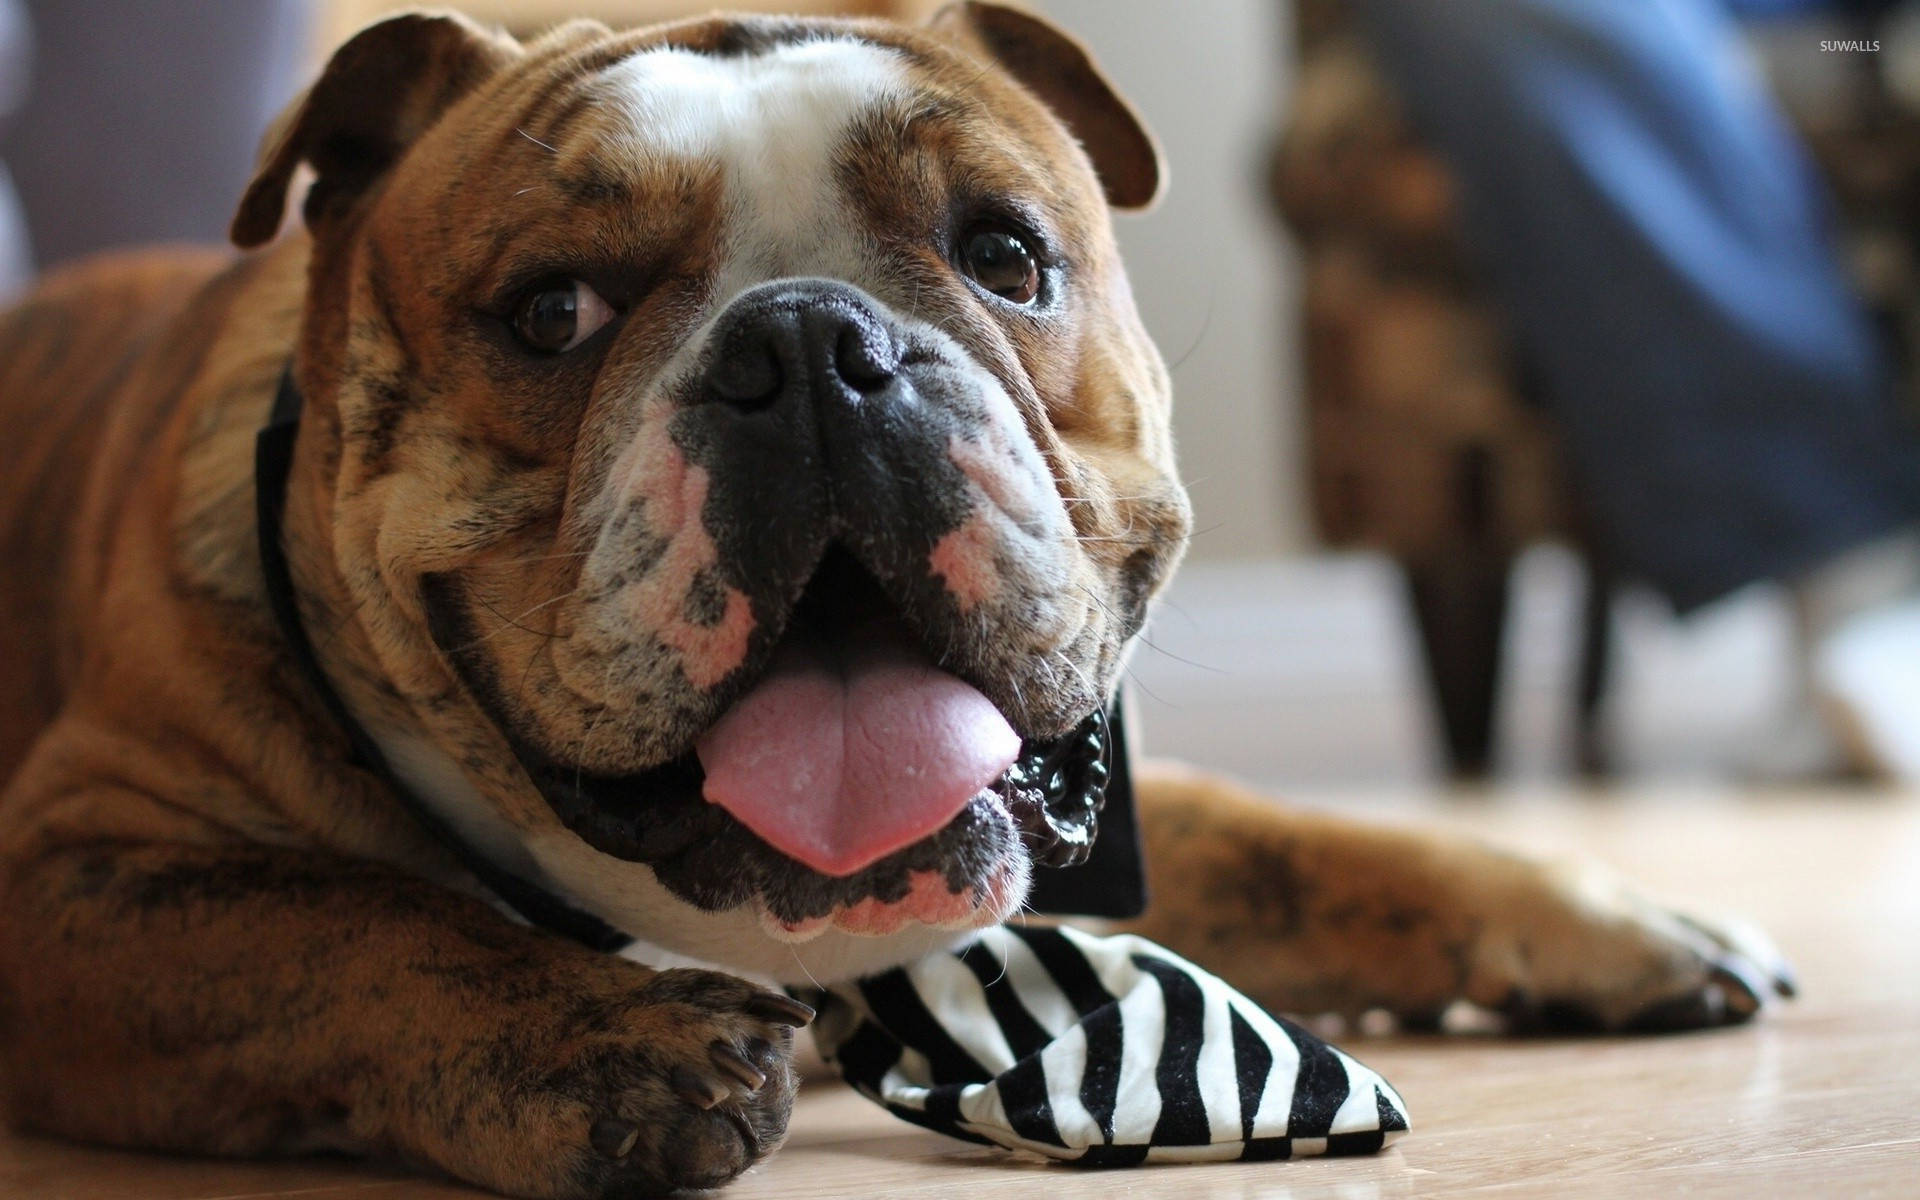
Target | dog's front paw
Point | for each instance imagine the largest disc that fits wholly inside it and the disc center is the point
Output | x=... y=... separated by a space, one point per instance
x=1592 y=954
x=683 y=1086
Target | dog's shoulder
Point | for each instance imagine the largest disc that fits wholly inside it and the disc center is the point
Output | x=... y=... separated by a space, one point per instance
x=117 y=373
x=65 y=344
x=103 y=301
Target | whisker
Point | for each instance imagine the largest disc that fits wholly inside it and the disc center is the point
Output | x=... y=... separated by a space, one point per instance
x=536 y=141
x=1005 y=959
x=593 y=726
x=515 y=621
x=1206 y=323
x=533 y=558
x=1113 y=499
x=1155 y=696
x=1075 y=668
x=1158 y=539
x=1149 y=642
x=802 y=964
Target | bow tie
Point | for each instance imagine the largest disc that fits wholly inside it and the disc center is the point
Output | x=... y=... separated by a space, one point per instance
x=1099 y=1051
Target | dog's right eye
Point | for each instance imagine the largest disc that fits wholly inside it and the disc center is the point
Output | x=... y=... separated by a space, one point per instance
x=1000 y=261
x=556 y=316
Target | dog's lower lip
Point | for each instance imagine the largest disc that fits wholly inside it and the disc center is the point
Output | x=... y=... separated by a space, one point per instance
x=928 y=902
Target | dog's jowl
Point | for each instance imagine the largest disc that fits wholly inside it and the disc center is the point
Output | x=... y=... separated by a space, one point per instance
x=724 y=451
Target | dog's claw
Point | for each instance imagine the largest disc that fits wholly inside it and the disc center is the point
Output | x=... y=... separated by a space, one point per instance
x=1743 y=996
x=700 y=1090
x=1785 y=982
x=776 y=1009
x=613 y=1137
x=731 y=1062
x=1744 y=950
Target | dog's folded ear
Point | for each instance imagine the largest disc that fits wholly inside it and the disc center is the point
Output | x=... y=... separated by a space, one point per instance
x=1058 y=70
x=380 y=91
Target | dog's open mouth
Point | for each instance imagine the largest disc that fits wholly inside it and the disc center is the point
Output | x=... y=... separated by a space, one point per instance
x=855 y=784
x=853 y=744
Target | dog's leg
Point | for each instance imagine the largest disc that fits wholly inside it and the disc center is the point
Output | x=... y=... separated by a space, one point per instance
x=248 y=1000
x=1312 y=913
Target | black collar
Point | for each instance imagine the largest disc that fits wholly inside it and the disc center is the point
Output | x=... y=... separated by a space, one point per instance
x=1110 y=883
x=272 y=460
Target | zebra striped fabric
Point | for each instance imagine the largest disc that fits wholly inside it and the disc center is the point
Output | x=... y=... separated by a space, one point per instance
x=1100 y=1051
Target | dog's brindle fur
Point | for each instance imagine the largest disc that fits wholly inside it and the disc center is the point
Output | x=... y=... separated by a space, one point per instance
x=222 y=937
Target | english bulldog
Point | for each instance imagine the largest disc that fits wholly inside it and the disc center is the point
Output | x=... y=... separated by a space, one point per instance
x=726 y=451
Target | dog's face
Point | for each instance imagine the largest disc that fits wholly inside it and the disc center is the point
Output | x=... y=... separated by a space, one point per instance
x=744 y=449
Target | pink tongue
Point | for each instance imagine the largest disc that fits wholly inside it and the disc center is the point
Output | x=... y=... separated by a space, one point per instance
x=838 y=764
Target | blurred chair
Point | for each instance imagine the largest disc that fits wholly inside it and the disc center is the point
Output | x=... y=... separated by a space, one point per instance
x=1864 y=132
x=1423 y=439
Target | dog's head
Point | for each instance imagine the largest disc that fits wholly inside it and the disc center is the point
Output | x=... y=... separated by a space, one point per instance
x=737 y=446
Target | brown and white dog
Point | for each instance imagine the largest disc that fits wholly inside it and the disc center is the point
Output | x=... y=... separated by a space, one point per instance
x=725 y=445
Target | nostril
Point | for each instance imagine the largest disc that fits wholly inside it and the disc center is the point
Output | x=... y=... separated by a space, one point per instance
x=748 y=377
x=805 y=343
x=865 y=357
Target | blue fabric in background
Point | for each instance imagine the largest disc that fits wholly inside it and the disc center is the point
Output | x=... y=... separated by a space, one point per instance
x=140 y=121
x=15 y=54
x=1661 y=245
x=1760 y=10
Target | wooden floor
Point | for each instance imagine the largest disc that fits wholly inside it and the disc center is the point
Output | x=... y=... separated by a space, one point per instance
x=1820 y=1098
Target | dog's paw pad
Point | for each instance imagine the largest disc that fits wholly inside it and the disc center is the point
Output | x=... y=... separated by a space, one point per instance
x=711 y=1147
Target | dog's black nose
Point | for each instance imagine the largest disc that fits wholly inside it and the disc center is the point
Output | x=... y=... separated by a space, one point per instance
x=810 y=339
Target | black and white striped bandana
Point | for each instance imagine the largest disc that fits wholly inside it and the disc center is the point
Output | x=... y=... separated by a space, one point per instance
x=1099 y=1051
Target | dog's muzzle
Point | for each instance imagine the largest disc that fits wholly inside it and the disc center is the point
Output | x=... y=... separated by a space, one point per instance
x=827 y=426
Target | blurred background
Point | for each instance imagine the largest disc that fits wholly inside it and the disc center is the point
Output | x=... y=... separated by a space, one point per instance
x=1542 y=365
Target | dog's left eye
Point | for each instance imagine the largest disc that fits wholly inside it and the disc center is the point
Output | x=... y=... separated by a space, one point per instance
x=556 y=316
x=999 y=261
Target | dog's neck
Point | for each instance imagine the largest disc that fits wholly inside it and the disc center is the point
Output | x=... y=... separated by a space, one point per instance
x=482 y=842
